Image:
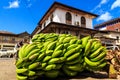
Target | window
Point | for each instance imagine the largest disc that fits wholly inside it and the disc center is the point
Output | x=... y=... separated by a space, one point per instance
x=83 y=22
x=68 y=18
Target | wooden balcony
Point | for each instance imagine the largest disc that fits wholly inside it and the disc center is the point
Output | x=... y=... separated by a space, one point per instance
x=53 y=26
x=8 y=41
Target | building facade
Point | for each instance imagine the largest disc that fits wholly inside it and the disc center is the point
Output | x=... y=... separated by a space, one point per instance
x=61 y=18
x=8 y=39
x=111 y=25
x=112 y=29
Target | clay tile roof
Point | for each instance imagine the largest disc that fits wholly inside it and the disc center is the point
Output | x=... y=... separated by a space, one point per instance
x=6 y=32
x=112 y=21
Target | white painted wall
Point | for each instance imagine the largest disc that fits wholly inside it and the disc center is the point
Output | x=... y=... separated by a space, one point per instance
x=103 y=28
x=89 y=23
x=59 y=16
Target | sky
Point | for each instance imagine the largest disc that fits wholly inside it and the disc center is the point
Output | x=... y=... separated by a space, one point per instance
x=18 y=16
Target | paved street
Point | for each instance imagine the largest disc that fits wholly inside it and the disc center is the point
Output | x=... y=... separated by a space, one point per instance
x=7 y=69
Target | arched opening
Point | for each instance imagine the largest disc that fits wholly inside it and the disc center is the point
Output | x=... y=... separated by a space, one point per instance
x=68 y=18
x=83 y=22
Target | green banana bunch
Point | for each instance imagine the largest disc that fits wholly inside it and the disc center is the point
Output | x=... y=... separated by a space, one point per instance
x=52 y=55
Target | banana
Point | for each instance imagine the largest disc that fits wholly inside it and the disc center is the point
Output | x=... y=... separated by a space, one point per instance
x=85 y=40
x=67 y=39
x=19 y=77
x=70 y=52
x=33 y=52
x=78 y=48
x=47 y=58
x=96 y=68
x=61 y=39
x=66 y=45
x=51 y=45
x=88 y=47
x=34 y=56
x=21 y=70
x=29 y=48
x=77 y=67
x=31 y=73
x=43 y=65
x=93 y=44
x=59 y=47
x=90 y=63
x=50 y=67
x=69 y=72
x=46 y=44
x=100 y=56
x=57 y=53
x=21 y=53
x=41 y=56
x=64 y=51
x=33 y=65
x=51 y=37
x=96 y=53
x=96 y=46
x=26 y=64
x=79 y=41
x=72 y=46
x=73 y=41
x=49 y=52
x=103 y=64
x=52 y=73
x=56 y=60
x=77 y=60
x=62 y=59
x=40 y=45
x=62 y=35
x=19 y=63
x=73 y=57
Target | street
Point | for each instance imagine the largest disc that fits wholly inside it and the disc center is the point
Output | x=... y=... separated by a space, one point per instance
x=7 y=69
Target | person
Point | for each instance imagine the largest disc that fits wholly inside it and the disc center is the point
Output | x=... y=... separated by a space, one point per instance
x=16 y=49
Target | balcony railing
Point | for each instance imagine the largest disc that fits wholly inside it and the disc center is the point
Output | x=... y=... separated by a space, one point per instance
x=7 y=41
